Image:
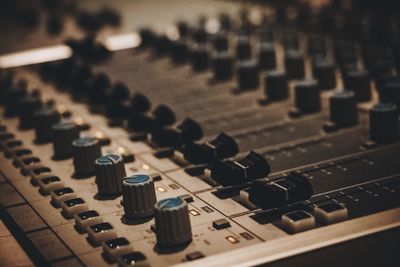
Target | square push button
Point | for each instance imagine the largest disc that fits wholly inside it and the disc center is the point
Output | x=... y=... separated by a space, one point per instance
x=330 y=212
x=298 y=221
x=114 y=247
x=86 y=219
x=73 y=206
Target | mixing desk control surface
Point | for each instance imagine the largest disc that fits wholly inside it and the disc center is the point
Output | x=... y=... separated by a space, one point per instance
x=210 y=133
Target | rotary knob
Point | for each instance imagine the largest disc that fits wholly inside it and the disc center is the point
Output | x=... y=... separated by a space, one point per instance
x=110 y=170
x=307 y=96
x=222 y=66
x=276 y=86
x=266 y=56
x=294 y=64
x=172 y=222
x=324 y=73
x=343 y=109
x=359 y=82
x=28 y=106
x=63 y=133
x=85 y=151
x=247 y=75
x=138 y=196
x=45 y=118
x=384 y=122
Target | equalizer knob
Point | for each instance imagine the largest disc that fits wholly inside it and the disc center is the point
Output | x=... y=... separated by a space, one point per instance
x=384 y=123
x=110 y=170
x=63 y=133
x=85 y=151
x=172 y=222
x=138 y=196
x=44 y=119
x=343 y=109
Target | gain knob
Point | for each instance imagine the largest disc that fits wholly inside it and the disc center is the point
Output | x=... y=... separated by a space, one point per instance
x=28 y=106
x=138 y=196
x=172 y=222
x=85 y=151
x=63 y=133
x=384 y=123
x=110 y=170
x=343 y=109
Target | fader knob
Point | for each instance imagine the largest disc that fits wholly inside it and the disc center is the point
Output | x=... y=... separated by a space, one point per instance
x=63 y=133
x=384 y=122
x=343 y=108
x=85 y=151
x=307 y=96
x=110 y=170
x=44 y=119
x=138 y=196
x=172 y=222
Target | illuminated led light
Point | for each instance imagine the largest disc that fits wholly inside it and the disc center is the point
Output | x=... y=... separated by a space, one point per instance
x=212 y=26
x=194 y=212
x=161 y=189
x=79 y=120
x=99 y=134
x=172 y=33
x=122 y=41
x=145 y=167
x=121 y=150
x=35 y=56
x=61 y=108
x=256 y=17
x=232 y=239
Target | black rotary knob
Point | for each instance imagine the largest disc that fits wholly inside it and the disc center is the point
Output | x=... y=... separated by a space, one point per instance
x=222 y=66
x=243 y=48
x=266 y=56
x=44 y=119
x=199 y=57
x=179 y=50
x=276 y=86
x=85 y=151
x=324 y=73
x=27 y=107
x=172 y=222
x=12 y=96
x=307 y=96
x=63 y=133
x=220 y=41
x=359 y=82
x=247 y=75
x=343 y=109
x=392 y=92
x=384 y=122
x=294 y=64
x=110 y=170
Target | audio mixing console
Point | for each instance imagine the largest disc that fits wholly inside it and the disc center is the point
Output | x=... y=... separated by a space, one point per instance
x=199 y=133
